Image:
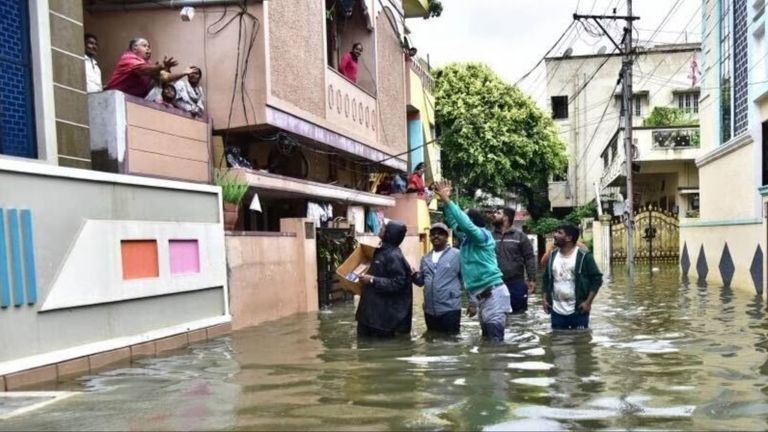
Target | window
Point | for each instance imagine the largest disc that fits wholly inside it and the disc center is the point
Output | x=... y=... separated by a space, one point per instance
x=17 y=134
x=638 y=102
x=559 y=107
x=725 y=70
x=688 y=102
x=740 y=70
x=693 y=201
x=734 y=74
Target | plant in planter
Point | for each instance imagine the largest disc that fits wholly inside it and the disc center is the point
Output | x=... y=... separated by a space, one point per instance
x=232 y=191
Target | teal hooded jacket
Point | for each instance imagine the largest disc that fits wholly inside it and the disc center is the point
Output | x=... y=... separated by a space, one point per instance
x=479 y=268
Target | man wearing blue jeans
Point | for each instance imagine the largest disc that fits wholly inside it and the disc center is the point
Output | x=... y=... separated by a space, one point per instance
x=571 y=281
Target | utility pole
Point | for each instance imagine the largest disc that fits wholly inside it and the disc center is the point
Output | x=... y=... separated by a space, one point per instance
x=626 y=49
x=628 y=135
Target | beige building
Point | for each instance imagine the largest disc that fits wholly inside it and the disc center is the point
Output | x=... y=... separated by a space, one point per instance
x=726 y=245
x=274 y=91
x=585 y=101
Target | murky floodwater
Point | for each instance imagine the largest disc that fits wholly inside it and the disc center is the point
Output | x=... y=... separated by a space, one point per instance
x=659 y=356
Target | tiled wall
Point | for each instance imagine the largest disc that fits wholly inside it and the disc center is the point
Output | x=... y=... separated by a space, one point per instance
x=17 y=136
x=72 y=131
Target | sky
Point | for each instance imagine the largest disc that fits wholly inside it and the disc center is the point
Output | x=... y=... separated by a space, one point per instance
x=511 y=36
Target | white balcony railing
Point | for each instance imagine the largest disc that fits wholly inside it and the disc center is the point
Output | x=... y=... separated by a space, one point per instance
x=664 y=144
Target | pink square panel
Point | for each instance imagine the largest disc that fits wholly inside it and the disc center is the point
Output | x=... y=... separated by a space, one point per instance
x=185 y=256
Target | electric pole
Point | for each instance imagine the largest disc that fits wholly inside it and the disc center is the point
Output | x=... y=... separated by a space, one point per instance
x=628 y=135
x=626 y=49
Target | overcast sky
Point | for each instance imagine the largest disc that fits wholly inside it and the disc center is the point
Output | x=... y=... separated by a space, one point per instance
x=512 y=35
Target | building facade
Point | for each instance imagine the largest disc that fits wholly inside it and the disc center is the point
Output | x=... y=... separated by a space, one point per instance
x=98 y=267
x=585 y=100
x=306 y=133
x=94 y=267
x=726 y=245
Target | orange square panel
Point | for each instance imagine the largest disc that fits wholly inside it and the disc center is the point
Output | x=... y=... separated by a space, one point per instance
x=139 y=259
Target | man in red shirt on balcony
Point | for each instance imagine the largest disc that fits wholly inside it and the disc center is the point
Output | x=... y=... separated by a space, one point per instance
x=348 y=63
x=134 y=73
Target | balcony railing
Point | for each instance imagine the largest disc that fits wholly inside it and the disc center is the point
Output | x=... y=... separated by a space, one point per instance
x=615 y=170
x=421 y=68
x=675 y=138
x=133 y=136
x=350 y=107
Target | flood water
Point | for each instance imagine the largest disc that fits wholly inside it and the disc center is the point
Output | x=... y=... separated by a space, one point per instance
x=660 y=355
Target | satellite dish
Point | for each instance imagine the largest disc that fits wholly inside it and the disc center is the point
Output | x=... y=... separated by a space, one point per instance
x=602 y=50
x=568 y=52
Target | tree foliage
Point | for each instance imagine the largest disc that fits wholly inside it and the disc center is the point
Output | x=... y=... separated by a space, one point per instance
x=435 y=9
x=669 y=116
x=493 y=135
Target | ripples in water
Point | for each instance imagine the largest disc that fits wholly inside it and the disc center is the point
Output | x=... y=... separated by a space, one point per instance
x=660 y=356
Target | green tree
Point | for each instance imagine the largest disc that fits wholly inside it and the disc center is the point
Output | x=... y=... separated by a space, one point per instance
x=494 y=137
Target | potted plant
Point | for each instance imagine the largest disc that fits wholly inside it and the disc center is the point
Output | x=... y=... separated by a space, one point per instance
x=233 y=188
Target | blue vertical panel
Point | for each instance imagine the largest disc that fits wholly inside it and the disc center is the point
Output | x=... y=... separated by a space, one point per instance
x=29 y=256
x=415 y=142
x=18 y=280
x=5 y=288
x=17 y=132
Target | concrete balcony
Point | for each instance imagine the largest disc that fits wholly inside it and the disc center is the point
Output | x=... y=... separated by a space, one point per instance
x=666 y=144
x=267 y=183
x=132 y=136
x=653 y=147
x=615 y=172
x=350 y=108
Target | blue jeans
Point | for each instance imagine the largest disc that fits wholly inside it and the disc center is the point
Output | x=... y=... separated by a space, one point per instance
x=518 y=295
x=574 y=321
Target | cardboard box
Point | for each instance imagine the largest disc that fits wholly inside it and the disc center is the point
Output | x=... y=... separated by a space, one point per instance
x=356 y=265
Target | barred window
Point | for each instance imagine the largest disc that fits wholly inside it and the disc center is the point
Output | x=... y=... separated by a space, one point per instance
x=688 y=102
x=17 y=134
x=725 y=70
x=740 y=67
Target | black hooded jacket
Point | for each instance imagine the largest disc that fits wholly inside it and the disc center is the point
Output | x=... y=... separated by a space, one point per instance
x=387 y=303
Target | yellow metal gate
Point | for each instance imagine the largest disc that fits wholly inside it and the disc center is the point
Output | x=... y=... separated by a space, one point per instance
x=657 y=236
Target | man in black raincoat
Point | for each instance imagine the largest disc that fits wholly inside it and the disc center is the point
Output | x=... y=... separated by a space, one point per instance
x=386 y=302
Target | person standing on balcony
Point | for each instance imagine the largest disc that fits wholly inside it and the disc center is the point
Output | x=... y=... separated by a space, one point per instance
x=416 y=181
x=92 y=69
x=348 y=63
x=189 y=93
x=135 y=75
x=479 y=268
x=517 y=261
x=386 y=302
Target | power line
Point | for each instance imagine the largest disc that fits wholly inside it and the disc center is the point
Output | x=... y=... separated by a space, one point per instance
x=567 y=29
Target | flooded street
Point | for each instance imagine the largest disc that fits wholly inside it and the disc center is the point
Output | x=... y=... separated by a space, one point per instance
x=659 y=356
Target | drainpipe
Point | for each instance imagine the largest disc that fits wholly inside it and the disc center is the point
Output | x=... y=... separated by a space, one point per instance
x=161 y=4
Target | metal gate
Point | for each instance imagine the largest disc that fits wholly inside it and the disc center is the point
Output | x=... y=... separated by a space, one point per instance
x=333 y=246
x=657 y=237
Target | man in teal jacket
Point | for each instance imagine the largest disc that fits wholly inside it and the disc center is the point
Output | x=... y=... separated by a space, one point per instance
x=570 y=282
x=479 y=269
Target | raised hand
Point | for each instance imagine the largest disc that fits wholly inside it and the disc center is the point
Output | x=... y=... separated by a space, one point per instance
x=169 y=62
x=443 y=189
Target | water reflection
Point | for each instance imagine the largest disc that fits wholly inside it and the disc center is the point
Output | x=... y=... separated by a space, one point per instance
x=660 y=355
